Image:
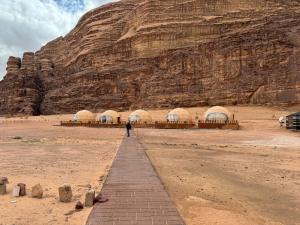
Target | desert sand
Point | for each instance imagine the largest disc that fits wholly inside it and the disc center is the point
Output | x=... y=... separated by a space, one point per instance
x=35 y=152
x=215 y=177
x=224 y=177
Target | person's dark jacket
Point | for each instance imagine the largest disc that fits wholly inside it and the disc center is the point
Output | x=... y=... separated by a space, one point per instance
x=128 y=126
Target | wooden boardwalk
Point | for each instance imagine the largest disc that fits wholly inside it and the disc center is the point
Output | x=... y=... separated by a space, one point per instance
x=134 y=191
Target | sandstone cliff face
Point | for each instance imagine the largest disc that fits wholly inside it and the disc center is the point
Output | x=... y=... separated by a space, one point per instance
x=151 y=53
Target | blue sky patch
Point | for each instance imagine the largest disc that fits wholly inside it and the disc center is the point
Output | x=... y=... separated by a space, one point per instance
x=30 y=24
x=72 y=6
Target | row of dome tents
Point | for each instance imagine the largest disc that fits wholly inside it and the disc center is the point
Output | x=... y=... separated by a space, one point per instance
x=179 y=115
x=109 y=116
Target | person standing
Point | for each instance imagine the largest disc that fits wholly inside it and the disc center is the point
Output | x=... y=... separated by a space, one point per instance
x=128 y=128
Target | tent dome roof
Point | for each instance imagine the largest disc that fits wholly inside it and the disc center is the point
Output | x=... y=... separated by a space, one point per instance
x=109 y=116
x=111 y=113
x=179 y=115
x=84 y=116
x=218 y=113
x=140 y=116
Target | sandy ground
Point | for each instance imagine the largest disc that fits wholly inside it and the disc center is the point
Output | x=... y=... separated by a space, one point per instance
x=33 y=152
x=216 y=177
x=219 y=177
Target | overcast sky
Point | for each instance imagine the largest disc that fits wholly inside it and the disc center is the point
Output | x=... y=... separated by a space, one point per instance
x=26 y=25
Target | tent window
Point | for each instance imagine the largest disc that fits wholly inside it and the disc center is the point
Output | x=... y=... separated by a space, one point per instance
x=103 y=119
x=134 y=118
x=75 y=118
x=217 y=116
x=173 y=117
x=106 y=119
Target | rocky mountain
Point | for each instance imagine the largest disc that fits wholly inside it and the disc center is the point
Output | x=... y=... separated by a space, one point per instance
x=163 y=53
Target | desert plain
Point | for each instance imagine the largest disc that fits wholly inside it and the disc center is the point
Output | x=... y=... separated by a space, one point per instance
x=249 y=176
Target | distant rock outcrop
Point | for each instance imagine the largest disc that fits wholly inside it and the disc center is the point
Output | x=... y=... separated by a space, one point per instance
x=152 y=53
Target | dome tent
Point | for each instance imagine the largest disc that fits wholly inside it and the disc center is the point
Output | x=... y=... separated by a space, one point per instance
x=179 y=115
x=140 y=116
x=84 y=116
x=110 y=116
x=219 y=114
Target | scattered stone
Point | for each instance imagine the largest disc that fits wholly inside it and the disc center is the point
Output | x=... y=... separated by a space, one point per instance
x=79 y=205
x=4 y=180
x=37 y=191
x=100 y=199
x=22 y=189
x=16 y=191
x=2 y=188
x=89 y=198
x=13 y=201
x=65 y=193
x=17 y=138
x=85 y=186
x=70 y=213
x=102 y=178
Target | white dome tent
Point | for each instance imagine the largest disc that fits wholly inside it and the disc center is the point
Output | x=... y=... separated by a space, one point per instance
x=110 y=116
x=218 y=114
x=140 y=116
x=179 y=115
x=84 y=116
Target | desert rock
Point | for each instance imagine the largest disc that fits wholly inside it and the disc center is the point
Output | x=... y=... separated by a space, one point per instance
x=37 y=191
x=16 y=191
x=89 y=198
x=22 y=189
x=135 y=53
x=4 y=180
x=65 y=193
x=79 y=205
x=2 y=188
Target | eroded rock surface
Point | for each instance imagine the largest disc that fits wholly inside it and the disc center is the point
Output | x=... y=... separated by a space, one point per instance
x=150 y=53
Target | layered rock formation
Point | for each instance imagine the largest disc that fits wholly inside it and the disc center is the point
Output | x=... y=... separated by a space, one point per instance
x=151 y=53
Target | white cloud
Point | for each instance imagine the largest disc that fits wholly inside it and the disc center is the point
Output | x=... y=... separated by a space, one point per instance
x=28 y=25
